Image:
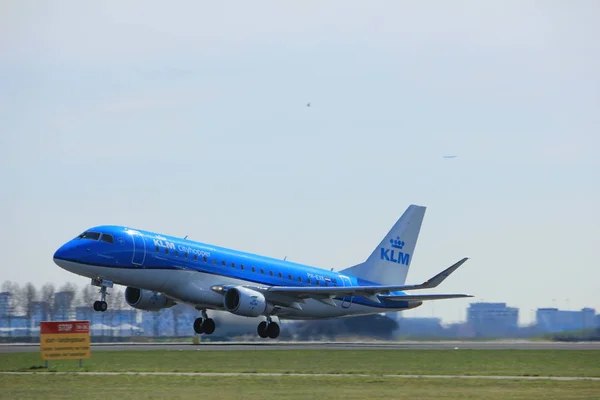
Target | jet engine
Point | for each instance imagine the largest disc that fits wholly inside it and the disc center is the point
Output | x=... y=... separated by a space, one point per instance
x=245 y=302
x=147 y=300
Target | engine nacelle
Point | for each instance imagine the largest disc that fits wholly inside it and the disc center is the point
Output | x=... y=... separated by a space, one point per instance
x=245 y=302
x=147 y=300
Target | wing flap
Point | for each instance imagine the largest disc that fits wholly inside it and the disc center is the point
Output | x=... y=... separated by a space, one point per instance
x=426 y=297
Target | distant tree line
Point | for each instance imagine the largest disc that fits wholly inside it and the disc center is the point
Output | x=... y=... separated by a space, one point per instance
x=586 y=335
x=372 y=326
x=24 y=297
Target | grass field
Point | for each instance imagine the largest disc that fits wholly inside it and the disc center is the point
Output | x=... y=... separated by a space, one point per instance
x=374 y=362
x=248 y=388
x=430 y=362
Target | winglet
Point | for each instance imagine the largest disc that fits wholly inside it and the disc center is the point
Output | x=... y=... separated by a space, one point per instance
x=439 y=278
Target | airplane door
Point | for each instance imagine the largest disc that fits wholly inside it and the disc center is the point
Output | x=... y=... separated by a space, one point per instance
x=347 y=300
x=139 y=248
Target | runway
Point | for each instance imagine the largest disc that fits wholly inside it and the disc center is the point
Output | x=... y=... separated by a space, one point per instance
x=284 y=345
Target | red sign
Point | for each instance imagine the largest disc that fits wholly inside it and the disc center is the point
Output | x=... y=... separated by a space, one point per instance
x=65 y=340
x=64 y=327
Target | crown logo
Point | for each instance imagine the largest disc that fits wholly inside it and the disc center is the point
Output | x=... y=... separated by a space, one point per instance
x=397 y=243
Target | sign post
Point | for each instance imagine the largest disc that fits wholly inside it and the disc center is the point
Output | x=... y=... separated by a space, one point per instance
x=65 y=340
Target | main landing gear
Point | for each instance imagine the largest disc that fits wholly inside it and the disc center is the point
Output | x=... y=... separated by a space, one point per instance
x=103 y=284
x=204 y=324
x=268 y=329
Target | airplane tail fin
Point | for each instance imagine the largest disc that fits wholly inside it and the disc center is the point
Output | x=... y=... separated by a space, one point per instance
x=390 y=261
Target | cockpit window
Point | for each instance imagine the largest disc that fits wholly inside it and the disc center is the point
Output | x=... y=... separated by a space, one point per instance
x=90 y=235
x=107 y=238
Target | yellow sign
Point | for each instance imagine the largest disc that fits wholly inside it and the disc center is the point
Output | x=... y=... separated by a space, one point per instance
x=65 y=340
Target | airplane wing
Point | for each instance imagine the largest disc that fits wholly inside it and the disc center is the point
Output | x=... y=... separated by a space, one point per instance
x=369 y=292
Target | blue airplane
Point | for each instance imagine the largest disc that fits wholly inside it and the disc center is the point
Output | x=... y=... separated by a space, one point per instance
x=161 y=271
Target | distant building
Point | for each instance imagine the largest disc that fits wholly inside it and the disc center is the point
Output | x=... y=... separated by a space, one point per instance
x=555 y=320
x=175 y=321
x=63 y=305
x=5 y=304
x=493 y=319
x=38 y=313
x=86 y=313
x=588 y=317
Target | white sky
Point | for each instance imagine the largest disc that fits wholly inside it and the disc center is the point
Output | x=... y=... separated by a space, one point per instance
x=189 y=118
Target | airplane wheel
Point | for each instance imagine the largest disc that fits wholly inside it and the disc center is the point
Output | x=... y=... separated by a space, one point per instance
x=103 y=306
x=262 y=329
x=208 y=326
x=96 y=305
x=273 y=330
x=198 y=328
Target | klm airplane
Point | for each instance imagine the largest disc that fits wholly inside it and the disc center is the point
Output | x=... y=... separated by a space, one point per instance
x=161 y=271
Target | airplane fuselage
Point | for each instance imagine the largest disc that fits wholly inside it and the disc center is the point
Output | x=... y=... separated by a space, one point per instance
x=188 y=271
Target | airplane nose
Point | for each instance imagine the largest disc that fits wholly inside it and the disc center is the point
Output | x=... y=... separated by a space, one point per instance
x=62 y=252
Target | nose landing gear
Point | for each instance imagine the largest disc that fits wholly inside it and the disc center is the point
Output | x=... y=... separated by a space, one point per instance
x=268 y=329
x=103 y=284
x=100 y=306
x=204 y=324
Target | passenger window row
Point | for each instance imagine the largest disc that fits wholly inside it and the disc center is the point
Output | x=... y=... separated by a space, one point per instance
x=252 y=268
